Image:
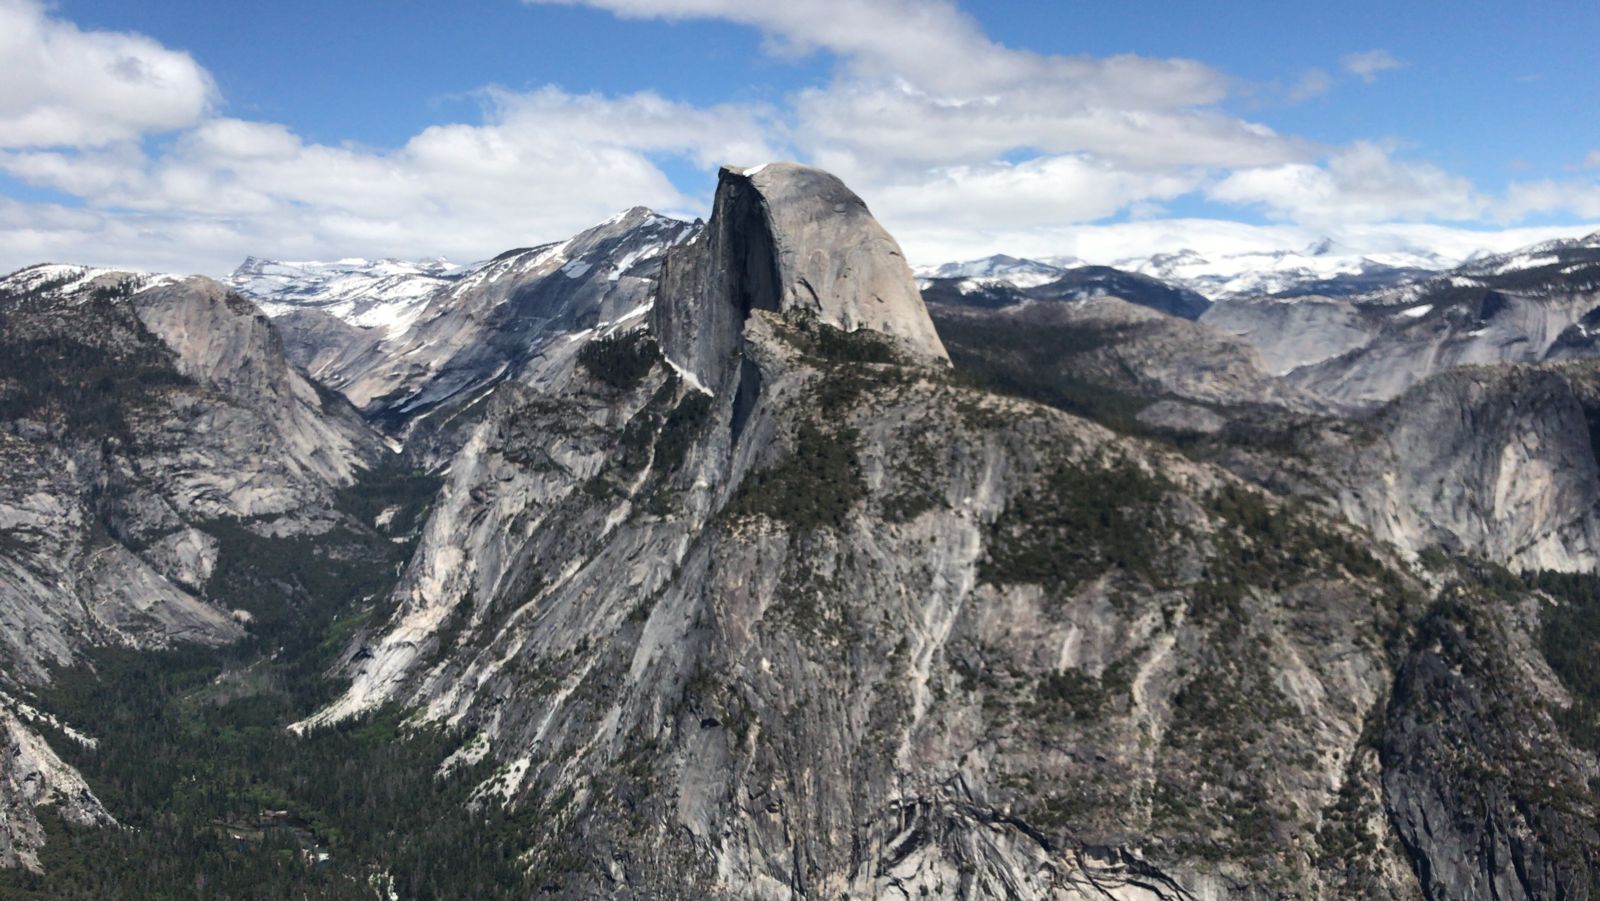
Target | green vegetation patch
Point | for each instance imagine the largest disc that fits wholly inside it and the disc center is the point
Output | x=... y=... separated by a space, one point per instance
x=815 y=486
x=221 y=801
x=1078 y=522
x=1569 y=636
x=620 y=361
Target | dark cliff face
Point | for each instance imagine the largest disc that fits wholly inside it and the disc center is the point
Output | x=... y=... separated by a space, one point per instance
x=1487 y=794
x=791 y=240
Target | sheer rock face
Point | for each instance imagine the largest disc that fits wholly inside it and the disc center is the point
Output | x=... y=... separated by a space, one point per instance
x=483 y=326
x=32 y=776
x=1532 y=306
x=1290 y=335
x=803 y=631
x=1128 y=348
x=1484 y=790
x=191 y=414
x=222 y=341
x=1496 y=462
x=139 y=411
x=793 y=240
x=712 y=691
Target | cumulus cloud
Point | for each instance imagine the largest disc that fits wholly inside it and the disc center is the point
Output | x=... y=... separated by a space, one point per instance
x=542 y=165
x=66 y=87
x=960 y=144
x=1572 y=197
x=1368 y=64
x=922 y=85
x=1361 y=183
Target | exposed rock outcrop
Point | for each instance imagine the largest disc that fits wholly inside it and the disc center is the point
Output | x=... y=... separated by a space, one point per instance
x=845 y=627
x=1110 y=357
x=139 y=417
x=473 y=328
x=1530 y=306
x=32 y=777
x=791 y=240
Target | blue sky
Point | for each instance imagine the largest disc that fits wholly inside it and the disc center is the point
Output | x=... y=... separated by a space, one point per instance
x=302 y=129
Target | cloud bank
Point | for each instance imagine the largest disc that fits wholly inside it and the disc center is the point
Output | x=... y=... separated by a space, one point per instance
x=961 y=145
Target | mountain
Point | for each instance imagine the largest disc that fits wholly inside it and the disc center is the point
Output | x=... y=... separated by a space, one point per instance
x=1064 y=285
x=1119 y=363
x=819 y=546
x=152 y=434
x=759 y=573
x=386 y=295
x=1001 y=269
x=1323 y=268
x=1531 y=305
x=444 y=337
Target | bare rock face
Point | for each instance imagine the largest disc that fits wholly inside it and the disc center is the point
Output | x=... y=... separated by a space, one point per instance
x=132 y=419
x=1292 y=334
x=31 y=777
x=1127 y=355
x=139 y=418
x=792 y=240
x=781 y=609
x=466 y=331
x=1534 y=305
x=1496 y=462
x=223 y=341
x=1484 y=790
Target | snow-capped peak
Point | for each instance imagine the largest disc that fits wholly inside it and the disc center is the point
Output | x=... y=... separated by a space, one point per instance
x=386 y=293
x=1022 y=273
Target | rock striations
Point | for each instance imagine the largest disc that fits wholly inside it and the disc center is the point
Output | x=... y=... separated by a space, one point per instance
x=140 y=413
x=736 y=586
x=790 y=240
x=754 y=599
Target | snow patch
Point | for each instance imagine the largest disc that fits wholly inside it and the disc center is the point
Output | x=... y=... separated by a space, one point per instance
x=689 y=377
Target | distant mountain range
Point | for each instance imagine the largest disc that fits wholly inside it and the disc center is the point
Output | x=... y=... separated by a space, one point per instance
x=1324 y=267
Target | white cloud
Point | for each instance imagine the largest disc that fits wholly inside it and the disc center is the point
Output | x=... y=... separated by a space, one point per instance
x=543 y=165
x=60 y=86
x=1360 y=183
x=1571 y=197
x=1314 y=83
x=960 y=145
x=1592 y=160
x=1369 y=63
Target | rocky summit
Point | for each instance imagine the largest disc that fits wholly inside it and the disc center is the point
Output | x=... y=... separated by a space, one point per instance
x=708 y=559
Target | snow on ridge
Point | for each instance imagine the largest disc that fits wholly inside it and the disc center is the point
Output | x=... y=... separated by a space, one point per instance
x=61 y=280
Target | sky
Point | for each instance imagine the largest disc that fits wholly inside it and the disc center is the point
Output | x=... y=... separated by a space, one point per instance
x=184 y=135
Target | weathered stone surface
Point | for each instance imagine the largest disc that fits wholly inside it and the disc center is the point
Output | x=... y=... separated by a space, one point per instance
x=1482 y=786
x=143 y=410
x=785 y=640
x=31 y=777
x=792 y=240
